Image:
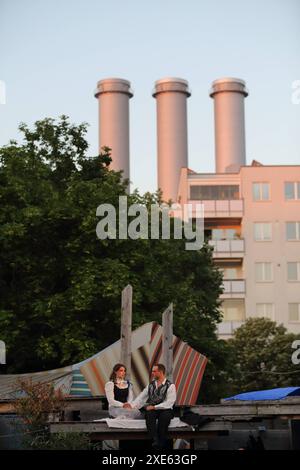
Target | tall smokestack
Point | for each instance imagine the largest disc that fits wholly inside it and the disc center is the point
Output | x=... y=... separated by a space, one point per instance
x=113 y=95
x=230 y=147
x=172 y=147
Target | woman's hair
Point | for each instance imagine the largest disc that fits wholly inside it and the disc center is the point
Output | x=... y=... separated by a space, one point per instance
x=113 y=375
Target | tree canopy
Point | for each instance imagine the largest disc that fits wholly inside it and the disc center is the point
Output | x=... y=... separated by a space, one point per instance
x=60 y=286
x=263 y=356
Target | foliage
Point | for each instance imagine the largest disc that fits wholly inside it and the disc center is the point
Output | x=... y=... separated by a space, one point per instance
x=38 y=402
x=36 y=405
x=263 y=356
x=60 y=441
x=60 y=285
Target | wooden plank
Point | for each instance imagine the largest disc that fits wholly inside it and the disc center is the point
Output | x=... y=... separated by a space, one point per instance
x=104 y=432
x=167 y=341
x=219 y=410
x=278 y=409
x=287 y=400
x=126 y=326
x=258 y=409
x=145 y=436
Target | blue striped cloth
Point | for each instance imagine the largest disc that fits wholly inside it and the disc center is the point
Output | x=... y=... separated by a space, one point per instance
x=79 y=386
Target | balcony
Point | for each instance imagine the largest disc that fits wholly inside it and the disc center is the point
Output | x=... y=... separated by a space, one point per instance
x=234 y=289
x=228 y=248
x=227 y=328
x=220 y=208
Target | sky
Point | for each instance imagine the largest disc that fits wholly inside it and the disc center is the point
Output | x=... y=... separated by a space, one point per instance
x=53 y=52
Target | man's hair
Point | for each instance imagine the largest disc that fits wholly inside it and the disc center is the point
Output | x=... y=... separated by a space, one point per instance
x=160 y=367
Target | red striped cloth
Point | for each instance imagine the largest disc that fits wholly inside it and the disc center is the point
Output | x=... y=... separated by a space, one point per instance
x=188 y=364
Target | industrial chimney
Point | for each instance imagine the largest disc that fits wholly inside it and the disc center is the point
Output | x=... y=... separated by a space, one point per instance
x=230 y=151
x=113 y=95
x=172 y=147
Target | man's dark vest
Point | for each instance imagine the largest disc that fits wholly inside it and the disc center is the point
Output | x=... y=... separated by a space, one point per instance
x=157 y=395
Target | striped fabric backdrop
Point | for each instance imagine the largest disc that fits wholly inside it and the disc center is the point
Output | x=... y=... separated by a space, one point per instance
x=89 y=377
x=188 y=366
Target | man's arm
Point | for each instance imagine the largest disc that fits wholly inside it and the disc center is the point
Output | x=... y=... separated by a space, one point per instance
x=169 y=401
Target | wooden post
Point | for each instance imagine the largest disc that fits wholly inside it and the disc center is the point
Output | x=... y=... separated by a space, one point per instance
x=2 y=353
x=126 y=322
x=167 y=341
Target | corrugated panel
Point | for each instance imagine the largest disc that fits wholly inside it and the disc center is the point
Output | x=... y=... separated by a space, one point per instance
x=9 y=387
x=97 y=369
x=189 y=365
x=88 y=377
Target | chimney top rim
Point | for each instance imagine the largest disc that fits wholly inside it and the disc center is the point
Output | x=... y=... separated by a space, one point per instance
x=172 y=80
x=228 y=84
x=114 y=80
x=171 y=84
x=229 y=80
x=113 y=85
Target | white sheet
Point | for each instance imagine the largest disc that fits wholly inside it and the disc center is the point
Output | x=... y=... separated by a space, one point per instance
x=125 y=423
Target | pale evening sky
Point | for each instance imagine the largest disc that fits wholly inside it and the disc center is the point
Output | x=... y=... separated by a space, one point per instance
x=52 y=53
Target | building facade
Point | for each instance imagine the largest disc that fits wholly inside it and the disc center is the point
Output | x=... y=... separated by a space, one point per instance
x=252 y=220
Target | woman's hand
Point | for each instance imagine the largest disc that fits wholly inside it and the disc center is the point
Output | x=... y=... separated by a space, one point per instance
x=127 y=405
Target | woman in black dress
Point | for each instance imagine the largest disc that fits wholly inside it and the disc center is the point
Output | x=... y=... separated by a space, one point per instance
x=119 y=394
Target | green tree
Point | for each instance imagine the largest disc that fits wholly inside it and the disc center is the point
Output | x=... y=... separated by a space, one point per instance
x=60 y=285
x=263 y=356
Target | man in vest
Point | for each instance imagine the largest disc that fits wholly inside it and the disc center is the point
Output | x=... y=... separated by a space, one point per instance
x=157 y=399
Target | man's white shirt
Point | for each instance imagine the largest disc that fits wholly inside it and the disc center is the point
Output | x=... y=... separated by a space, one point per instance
x=168 y=403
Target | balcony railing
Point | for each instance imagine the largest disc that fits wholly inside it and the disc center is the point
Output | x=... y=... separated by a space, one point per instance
x=234 y=288
x=227 y=328
x=229 y=248
x=221 y=208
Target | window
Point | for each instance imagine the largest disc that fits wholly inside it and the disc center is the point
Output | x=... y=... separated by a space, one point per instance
x=294 y=312
x=217 y=234
x=261 y=191
x=293 y=231
x=293 y=271
x=262 y=231
x=265 y=311
x=292 y=190
x=224 y=234
x=214 y=192
x=231 y=234
x=233 y=310
x=263 y=272
x=230 y=273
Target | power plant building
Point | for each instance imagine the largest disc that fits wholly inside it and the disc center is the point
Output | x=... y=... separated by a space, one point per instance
x=251 y=211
